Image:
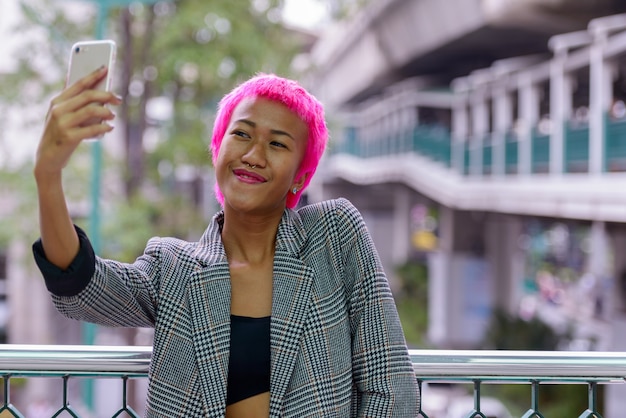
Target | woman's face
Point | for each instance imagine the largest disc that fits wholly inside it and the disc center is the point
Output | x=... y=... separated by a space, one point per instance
x=259 y=156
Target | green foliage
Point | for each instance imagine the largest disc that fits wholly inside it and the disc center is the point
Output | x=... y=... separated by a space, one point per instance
x=509 y=332
x=412 y=302
x=18 y=193
x=192 y=53
x=345 y=9
x=40 y=63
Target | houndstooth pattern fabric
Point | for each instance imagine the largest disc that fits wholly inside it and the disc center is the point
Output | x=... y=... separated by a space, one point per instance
x=337 y=347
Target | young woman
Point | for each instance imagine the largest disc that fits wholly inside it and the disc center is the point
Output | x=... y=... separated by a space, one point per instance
x=274 y=312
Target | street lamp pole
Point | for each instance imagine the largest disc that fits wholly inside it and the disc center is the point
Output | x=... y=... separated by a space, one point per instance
x=89 y=330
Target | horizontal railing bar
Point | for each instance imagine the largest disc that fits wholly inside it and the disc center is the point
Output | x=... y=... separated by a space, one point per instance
x=440 y=365
x=19 y=359
x=509 y=365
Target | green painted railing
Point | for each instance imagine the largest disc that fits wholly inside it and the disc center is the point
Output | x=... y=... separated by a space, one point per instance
x=532 y=368
x=615 y=155
x=576 y=148
x=434 y=142
x=476 y=368
x=488 y=151
x=511 y=153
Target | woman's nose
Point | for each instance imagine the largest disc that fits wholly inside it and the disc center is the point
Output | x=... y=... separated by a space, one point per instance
x=255 y=154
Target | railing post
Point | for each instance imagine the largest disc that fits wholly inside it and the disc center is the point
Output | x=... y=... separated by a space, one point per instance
x=7 y=399
x=420 y=412
x=476 y=412
x=591 y=412
x=534 y=401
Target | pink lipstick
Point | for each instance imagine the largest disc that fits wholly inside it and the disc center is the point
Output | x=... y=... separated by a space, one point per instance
x=248 y=176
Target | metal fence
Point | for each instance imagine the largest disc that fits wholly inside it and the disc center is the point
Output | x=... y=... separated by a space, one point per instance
x=478 y=368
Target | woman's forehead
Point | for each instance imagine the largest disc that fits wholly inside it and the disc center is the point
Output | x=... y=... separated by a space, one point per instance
x=260 y=110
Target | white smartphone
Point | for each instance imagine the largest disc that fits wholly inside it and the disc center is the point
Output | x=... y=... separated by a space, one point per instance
x=88 y=56
x=85 y=58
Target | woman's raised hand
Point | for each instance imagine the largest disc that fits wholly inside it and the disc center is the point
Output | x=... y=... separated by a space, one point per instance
x=76 y=114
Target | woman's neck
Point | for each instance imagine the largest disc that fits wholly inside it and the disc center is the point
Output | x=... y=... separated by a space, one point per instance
x=249 y=239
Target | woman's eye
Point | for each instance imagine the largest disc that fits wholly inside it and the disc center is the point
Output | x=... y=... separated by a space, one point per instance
x=278 y=144
x=241 y=134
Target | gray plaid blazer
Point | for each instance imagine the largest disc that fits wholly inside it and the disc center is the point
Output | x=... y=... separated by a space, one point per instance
x=337 y=346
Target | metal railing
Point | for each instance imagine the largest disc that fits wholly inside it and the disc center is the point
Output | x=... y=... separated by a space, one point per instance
x=442 y=366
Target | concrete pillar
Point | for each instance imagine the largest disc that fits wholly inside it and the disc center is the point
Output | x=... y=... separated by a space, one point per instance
x=480 y=127
x=560 y=110
x=401 y=244
x=600 y=96
x=460 y=131
x=618 y=243
x=505 y=258
x=529 y=117
x=440 y=315
x=599 y=248
x=502 y=111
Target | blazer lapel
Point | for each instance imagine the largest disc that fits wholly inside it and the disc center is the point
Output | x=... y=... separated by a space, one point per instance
x=290 y=305
x=209 y=299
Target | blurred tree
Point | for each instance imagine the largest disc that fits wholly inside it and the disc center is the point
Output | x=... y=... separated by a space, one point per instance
x=188 y=54
x=178 y=55
x=412 y=302
x=509 y=332
x=176 y=59
x=36 y=73
x=345 y=9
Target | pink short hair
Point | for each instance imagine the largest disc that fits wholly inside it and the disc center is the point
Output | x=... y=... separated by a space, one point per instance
x=295 y=98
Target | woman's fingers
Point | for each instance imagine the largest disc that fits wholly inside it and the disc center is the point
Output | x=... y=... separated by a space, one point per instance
x=79 y=106
x=79 y=112
x=93 y=131
x=84 y=98
x=78 y=87
x=61 y=120
x=85 y=83
x=83 y=92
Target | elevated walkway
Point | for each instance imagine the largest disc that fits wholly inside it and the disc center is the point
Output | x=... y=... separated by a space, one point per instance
x=530 y=135
x=575 y=196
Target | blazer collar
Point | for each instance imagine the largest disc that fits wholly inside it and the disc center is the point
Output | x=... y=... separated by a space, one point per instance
x=290 y=238
x=209 y=301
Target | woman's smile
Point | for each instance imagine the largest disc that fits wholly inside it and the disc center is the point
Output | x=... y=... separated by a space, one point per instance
x=249 y=177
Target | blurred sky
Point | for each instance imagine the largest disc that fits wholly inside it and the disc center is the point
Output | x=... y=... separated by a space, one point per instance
x=308 y=14
x=8 y=18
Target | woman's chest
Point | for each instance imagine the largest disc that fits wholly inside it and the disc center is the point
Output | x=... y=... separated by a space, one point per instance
x=251 y=289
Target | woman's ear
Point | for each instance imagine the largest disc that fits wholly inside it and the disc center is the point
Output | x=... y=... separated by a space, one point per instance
x=298 y=184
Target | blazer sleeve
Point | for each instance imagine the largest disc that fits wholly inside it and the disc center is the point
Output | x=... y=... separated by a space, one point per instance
x=382 y=369
x=101 y=291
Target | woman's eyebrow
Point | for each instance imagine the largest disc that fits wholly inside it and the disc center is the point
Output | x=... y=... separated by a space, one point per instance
x=273 y=131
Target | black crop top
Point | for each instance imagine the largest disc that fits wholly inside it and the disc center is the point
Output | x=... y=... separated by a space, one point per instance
x=249 y=363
